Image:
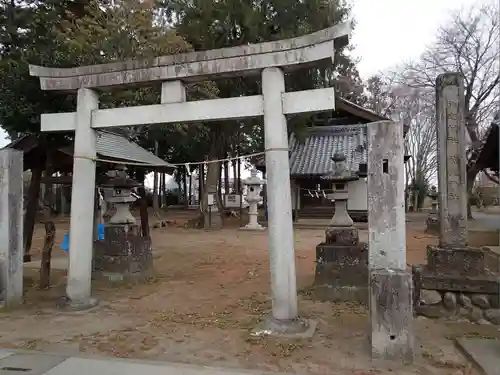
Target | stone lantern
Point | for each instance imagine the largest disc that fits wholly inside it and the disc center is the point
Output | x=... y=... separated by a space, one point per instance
x=341 y=260
x=118 y=191
x=254 y=187
x=123 y=253
x=340 y=177
x=432 y=222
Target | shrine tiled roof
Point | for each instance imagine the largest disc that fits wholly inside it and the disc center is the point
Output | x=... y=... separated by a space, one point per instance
x=311 y=154
x=114 y=146
x=487 y=155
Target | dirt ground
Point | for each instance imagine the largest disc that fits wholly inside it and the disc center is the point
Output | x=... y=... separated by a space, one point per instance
x=210 y=289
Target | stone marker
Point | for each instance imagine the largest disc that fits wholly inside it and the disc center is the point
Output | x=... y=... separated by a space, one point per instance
x=11 y=227
x=452 y=161
x=390 y=282
x=460 y=273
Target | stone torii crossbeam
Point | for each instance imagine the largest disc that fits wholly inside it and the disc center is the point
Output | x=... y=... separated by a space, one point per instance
x=269 y=60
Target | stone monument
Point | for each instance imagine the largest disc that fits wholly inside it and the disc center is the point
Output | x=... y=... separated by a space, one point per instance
x=341 y=261
x=390 y=282
x=432 y=222
x=465 y=278
x=254 y=187
x=124 y=253
x=11 y=228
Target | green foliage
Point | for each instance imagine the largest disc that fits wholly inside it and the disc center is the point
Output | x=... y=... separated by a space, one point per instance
x=210 y=24
x=64 y=33
x=420 y=188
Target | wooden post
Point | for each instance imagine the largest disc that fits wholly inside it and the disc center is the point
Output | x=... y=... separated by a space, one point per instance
x=390 y=282
x=31 y=209
x=143 y=212
x=50 y=234
x=186 y=195
x=190 y=194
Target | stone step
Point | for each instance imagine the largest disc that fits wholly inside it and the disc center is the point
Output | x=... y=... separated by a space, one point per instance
x=36 y=363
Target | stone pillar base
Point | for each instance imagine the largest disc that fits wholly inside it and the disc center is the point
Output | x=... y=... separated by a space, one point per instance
x=459 y=284
x=432 y=224
x=123 y=254
x=342 y=267
x=69 y=305
x=294 y=328
x=465 y=261
x=257 y=227
x=391 y=315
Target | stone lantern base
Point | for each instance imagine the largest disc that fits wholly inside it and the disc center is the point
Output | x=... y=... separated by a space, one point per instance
x=123 y=254
x=342 y=266
x=256 y=228
x=432 y=223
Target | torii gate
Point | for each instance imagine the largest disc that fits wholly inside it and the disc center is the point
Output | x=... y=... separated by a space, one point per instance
x=268 y=59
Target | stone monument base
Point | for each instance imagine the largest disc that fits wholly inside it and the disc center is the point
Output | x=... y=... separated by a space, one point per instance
x=257 y=228
x=295 y=328
x=458 y=284
x=342 y=267
x=123 y=254
x=432 y=224
x=68 y=305
x=391 y=296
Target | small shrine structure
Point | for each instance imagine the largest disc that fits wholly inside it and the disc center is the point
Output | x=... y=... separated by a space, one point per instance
x=343 y=130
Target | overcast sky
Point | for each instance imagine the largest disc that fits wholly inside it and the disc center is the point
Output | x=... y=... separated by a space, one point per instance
x=391 y=31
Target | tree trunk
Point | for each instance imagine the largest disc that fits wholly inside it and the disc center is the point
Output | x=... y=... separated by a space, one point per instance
x=50 y=234
x=31 y=210
x=201 y=186
x=212 y=217
x=184 y=180
x=162 y=191
x=48 y=197
x=235 y=174
x=143 y=212
x=156 y=206
x=226 y=177
x=238 y=175
x=222 y=205
x=190 y=194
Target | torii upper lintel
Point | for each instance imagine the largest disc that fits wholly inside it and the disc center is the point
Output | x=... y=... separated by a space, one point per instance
x=200 y=65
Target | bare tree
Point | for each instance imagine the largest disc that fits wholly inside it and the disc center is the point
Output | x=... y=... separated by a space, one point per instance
x=469 y=44
x=414 y=109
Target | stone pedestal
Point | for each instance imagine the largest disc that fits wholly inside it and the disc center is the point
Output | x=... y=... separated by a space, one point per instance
x=458 y=283
x=391 y=314
x=253 y=223
x=432 y=224
x=123 y=254
x=342 y=266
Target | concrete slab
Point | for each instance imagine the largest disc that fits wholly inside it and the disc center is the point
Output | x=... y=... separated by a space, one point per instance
x=85 y=366
x=29 y=364
x=4 y=353
x=485 y=353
